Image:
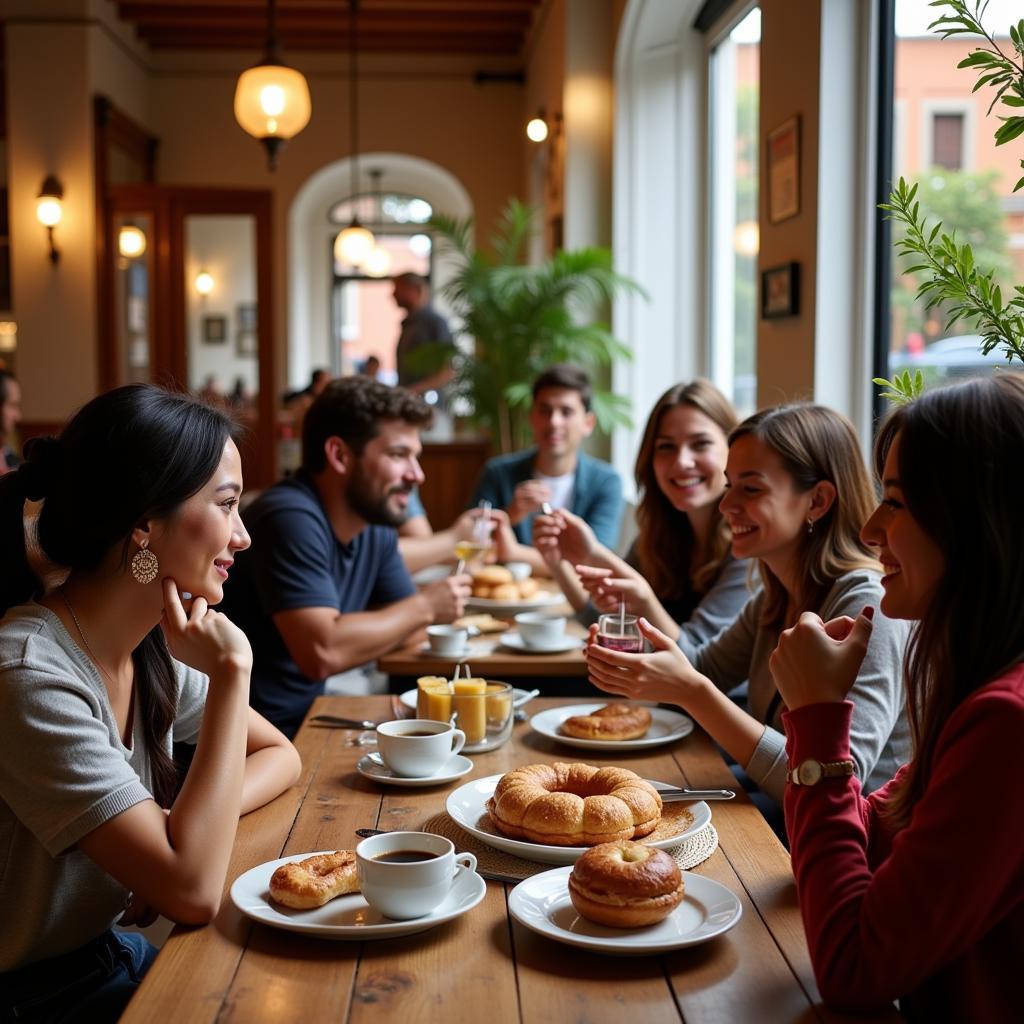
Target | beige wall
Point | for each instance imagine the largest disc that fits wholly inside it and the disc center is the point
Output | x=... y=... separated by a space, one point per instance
x=785 y=347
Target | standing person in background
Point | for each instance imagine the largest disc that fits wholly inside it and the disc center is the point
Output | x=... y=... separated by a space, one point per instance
x=680 y=573
x=421 y=326
x=915 y=893
x=10 y=417
x=555 y=471
x=324 y=589
x=98 y=676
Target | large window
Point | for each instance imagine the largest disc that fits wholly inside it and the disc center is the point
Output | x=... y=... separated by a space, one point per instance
x=943 y=140
x=734 y=108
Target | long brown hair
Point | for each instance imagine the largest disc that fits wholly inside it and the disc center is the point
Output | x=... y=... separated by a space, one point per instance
x=816 y=443
x=665 y=541
x=959 y=474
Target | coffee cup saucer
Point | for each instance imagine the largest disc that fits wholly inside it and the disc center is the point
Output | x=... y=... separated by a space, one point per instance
x=515 y=642
x=371 y=767
x=458 y=655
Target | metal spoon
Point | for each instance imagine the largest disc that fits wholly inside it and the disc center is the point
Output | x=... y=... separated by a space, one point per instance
x=341 y=723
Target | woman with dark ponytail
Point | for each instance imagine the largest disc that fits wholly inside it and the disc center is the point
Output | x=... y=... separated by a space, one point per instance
x=97 y=677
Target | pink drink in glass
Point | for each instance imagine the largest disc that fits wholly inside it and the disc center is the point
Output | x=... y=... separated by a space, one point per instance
x=626 y=644
x=619 y=633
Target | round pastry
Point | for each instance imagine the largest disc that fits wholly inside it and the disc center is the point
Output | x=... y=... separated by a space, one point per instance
x=568 y=804
x=315 y=881
x=527 y=587
x=505 y=592
x=626 y=885
x=619 y=721
x=492 y=575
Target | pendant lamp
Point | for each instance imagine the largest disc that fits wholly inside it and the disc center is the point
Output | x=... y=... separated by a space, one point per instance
x=271 y=99
x=355 y=243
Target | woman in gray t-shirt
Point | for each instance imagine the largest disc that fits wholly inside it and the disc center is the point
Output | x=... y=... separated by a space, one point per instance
x=98 y=676
x=798 y=494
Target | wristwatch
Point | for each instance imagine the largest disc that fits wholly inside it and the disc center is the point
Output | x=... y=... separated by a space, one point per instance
x=811 y=772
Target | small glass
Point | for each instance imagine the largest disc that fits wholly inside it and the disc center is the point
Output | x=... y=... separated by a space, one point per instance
x=620 y=633
x=485 y=717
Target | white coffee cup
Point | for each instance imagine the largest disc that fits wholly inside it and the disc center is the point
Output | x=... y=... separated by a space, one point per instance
x=540 y=630
x=410 y=887
x=447 y=639
x=417 y=747
x=519 y=570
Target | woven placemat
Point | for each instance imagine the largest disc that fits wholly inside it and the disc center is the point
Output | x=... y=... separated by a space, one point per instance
x=692 y=851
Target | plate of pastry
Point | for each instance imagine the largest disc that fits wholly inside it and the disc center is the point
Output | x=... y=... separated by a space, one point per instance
x=468 y=807
x=544 y=904
x=615 y=725
x=348 y=915
x=497 y=591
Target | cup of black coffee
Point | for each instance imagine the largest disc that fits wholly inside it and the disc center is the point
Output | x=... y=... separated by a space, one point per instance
x=408 y=874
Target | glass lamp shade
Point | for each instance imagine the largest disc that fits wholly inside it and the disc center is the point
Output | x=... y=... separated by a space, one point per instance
x=378 y=263
x=537 y=129
x=204 y=282
x=48 y=211
x=353 y=245
x=272 y=101
x=131 y=241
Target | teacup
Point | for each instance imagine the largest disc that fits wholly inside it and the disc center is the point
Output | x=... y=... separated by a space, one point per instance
x=407 y=874
x=417 y=747
x=519 y=570
x=540 y=630
x=447 y=639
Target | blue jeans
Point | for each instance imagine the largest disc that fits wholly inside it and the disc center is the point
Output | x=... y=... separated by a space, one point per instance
x=90 y=984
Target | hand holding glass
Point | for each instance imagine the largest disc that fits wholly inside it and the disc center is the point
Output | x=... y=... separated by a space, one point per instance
x=620 y=632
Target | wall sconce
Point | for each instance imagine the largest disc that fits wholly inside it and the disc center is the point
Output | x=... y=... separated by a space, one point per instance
x=49 y=210
x=204 y=282
x=131 y=241
x=537 y=127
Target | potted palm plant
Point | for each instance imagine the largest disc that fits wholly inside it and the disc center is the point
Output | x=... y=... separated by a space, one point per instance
x=520 y=319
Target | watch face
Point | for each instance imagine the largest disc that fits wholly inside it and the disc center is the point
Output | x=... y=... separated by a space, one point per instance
x=809 y=772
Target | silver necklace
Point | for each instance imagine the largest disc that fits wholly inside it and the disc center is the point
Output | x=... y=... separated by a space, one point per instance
x=85 y=640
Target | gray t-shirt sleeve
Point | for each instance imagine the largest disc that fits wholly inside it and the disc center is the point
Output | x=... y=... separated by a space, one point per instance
x=725 y=658
x=878 y=728
x=59 y=772
x=719 y=607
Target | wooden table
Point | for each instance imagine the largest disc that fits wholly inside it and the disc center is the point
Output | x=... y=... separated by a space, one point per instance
x=483 y=966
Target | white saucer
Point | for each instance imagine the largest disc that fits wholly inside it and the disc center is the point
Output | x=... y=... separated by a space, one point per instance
x=456 y=767
x=542 y=904
x=666 y=727
x=347 y=917
x=506 y=609
x=514 y=642
x=519 y=697
x=467 y=807
x=469 y=651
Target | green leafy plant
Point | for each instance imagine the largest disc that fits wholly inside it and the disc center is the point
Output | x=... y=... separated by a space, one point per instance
x=522 y=318
x=952 y=279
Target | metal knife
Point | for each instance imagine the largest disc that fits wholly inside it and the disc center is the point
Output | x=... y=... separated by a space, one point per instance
x=671 y=796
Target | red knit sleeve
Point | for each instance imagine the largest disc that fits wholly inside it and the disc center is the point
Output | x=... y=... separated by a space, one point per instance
x=881 y=919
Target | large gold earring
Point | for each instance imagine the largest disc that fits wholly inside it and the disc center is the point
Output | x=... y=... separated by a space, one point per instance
x=145 y=565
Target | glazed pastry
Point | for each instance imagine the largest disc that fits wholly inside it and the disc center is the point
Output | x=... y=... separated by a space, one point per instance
x=315 y=881
x=619 y=721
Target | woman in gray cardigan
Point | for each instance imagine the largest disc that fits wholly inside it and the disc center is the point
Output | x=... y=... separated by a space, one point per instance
x=798 y=494
x=680 y=572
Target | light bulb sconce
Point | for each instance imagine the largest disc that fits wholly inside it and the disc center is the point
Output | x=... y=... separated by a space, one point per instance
x=49 y=210
x=537 y=127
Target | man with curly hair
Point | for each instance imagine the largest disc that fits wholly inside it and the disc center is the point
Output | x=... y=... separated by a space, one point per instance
x=323 y=587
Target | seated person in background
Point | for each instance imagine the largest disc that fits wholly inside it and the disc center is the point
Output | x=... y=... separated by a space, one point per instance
x=915 y=893
x=325 y=551
x=680 y=573
x=98 y=676
x=798 y=492
x=556 y=471
x=10 y=416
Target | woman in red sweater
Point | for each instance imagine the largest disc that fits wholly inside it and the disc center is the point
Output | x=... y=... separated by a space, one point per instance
x=917 y=893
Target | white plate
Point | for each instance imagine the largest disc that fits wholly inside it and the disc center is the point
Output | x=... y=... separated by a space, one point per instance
x=666 y=727
x=431 y=574
x=519 y=697
x=347 y=917
x=542 y=904
x=456 y=767
x=514 y=642
x=467 y=807
x=469 y=651
x=506 y=609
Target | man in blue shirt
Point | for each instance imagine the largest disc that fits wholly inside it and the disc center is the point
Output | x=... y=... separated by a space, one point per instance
x=555 y=471
x=323 y=587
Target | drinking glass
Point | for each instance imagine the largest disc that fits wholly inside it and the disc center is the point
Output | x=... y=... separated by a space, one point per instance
x=619 y=633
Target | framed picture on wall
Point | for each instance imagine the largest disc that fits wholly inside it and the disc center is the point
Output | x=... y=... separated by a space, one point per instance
x=215 y=330
x=246 y=343
x=784 y=171
x=247 y=316
x=780 y=291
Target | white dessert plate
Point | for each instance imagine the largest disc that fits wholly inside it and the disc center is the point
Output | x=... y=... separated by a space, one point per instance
x=506 y=609
x=514 y=642
x=456 y=767
x=347 y=917
x=519 y=697
x=542 y=904
x=666 y=727
x=467 y=807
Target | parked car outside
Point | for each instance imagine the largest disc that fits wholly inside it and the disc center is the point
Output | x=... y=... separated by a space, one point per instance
x=952 y=358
